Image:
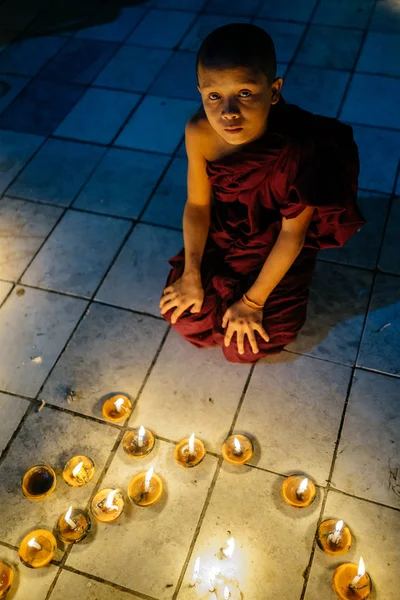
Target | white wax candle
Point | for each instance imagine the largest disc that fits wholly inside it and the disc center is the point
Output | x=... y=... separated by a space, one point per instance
x=33 y=544
x=119 y=404
x=148 y=478
x=334 y=537
x=68 y=519
x=361 y=572
x=302 y=487
x=191 y=445
x=77 y=469
x=141 y=434
x=110 y=499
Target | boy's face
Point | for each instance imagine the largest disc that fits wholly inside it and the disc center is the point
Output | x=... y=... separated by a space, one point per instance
x=237 y=98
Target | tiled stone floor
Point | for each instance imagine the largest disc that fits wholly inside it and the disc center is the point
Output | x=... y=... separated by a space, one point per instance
x=93 y=102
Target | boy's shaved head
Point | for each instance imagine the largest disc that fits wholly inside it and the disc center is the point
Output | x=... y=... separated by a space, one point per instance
x=239 y=45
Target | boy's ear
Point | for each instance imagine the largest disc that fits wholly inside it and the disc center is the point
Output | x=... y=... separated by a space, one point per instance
x=276 y=89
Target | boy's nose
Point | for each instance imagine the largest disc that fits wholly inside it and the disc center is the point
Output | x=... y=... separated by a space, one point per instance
x=230 y=109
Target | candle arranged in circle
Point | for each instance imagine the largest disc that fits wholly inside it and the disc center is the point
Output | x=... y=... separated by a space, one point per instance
x=117 y=408
x=38 y=482
x=237 y=449
x=145 y=488
x=298 y=491
x=334 y=537
x=78 y=471
x=37 y=548
x=107 y=505
x=138 y=442
x=352 y=582
x=189 y=452
x=6 y=578
x=73 y=526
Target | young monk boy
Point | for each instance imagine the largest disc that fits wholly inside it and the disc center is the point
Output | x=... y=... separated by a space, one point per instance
x=269 y=184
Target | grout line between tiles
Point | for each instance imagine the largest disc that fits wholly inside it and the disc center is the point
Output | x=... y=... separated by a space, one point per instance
x=4 y=454
x=367 y=500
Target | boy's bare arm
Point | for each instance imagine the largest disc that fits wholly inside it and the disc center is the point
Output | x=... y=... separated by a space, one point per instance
x=286 y=249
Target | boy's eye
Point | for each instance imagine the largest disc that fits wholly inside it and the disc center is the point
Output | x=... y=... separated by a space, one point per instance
x=216 y=96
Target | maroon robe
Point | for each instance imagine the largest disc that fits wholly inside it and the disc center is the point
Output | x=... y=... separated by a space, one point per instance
x=302 y=160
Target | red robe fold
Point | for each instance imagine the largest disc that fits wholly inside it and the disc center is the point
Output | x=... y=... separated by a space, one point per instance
x=301 y=160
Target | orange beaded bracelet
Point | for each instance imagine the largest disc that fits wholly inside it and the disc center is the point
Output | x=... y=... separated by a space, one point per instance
x=250 y=303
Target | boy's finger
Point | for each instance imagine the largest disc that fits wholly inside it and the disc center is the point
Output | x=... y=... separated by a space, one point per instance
x=178 y=312
x=240 y=341
x=253 y=342
x=225 y=319
x=262 y=332
x=168 y=305
x=168 y=289
x=228 y=335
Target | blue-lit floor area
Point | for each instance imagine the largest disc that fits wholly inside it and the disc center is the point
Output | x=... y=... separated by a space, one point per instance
x=94 y=97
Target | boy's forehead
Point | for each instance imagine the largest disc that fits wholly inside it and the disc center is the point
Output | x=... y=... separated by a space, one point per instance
x=210 y=77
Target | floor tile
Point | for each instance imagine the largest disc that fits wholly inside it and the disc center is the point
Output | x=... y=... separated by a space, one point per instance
x=273 y=540
x=16 y=150
x=349 y=13
x=390 y=257
x=10 y=87
x=57 y=172
x=5 y=288
x=49 y=437
x=203 y=26
x=379 y=156
x=317 y=90
x=381 y=109
x=386 y=16
x=75 y=258
x=17 y=14
x=110 y=352
x=287 y=386
x=233 y=7
x=72 y=585
x=178 y=78
x=133 y=68
x=41 y=106
x=167 y=205
x=122 y=183
x=380 y=54
x=286 y=37
x=182 y=150
x=98 y=116
x=162 y=28
x=368 y=459
x=206 y=405
x=178 y=4
x=330 y=47
x=27 y=56
x=79 y=61
x=290 y=10
x=377 y=349
x=33 y=324
x=24 y=227
x=12 y=410
x=362 y=248
x=336 y=310
x=113 y=28
x=375 y=530
x=66 y=17
x=26 y=579
x=157 y=125
x=152 y=541
x=145 y=256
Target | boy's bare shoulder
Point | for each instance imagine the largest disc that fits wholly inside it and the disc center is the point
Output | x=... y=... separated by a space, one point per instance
x=202 y=137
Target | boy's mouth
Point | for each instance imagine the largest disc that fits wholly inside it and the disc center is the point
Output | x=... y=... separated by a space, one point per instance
x=233 y=130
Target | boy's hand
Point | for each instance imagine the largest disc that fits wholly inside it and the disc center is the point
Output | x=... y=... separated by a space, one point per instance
x=244 y=321
x=185 y=293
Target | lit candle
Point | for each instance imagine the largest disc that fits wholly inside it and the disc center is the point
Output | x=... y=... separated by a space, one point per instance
x=361 y=572
x=107 y=505
x=230 y=548
x=68 y=519
x=33 y=544
x=148 y=478
x=189 y=452
x=109 y=502
x=119 y=404
x=237 y=447
x=191 y=445
x=334 y=537
x=302 y=488
x=140 y=438
x=77 y=469
x=196 y=572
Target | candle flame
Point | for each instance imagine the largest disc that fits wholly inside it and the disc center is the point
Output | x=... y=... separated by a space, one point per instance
x=303 y=486
x=141 y=433
x=339 y=526
x=191 y=444
x=149 y=476
x=227 y=593
x=76 y=470
x=196 y=572
x=361 y=568
x=68 y=514
x=34 y=544
x=230 y=549
x=110 y=499
x=237 y=446
x=119 y=404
